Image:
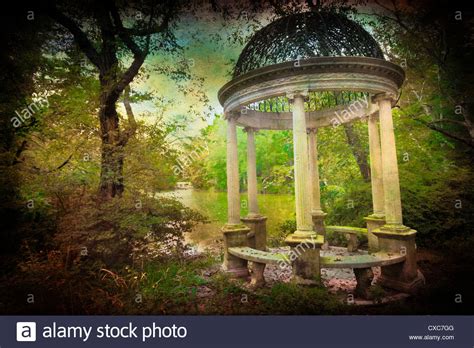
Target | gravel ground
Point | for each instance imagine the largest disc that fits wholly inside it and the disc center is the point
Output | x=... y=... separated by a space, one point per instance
x=335 y=280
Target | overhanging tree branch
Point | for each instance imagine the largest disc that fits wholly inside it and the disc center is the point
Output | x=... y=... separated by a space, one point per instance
x=448 y=120
x=431 y=126
x=123 y=34
x=79 y=36
x=410 y=31
x=62 y=164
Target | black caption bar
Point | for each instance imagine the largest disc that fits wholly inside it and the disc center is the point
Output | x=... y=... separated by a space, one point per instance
x=238 y=331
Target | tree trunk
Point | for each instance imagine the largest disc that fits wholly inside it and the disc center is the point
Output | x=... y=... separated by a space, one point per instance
x=111 y=28
x=360 y=154
x=111 y=173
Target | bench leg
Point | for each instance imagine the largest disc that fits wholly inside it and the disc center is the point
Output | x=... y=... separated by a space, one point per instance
x=352 y=243
x=256 y=274
x=364 y=277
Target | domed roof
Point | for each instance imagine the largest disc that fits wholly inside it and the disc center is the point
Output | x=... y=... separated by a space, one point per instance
x=305 y=35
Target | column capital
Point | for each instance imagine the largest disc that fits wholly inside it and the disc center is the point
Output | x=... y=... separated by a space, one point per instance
x=373 y=116
x=384 y=96
x=231 y=115
x=302 y=93
x=250 y=129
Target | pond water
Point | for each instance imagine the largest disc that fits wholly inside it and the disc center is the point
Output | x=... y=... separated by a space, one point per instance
x=213 y=204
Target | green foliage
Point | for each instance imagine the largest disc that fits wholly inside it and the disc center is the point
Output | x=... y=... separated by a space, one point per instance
x=274 y=159
x=172 y=283
x=436 y=204
x=150 y=160
x=289 y=298
x=289 y=226
x=377 y=293
x=122 y=230
x=284 y=229
x=350 y=208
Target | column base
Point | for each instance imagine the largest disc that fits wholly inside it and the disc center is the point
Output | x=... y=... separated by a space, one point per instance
x=409 y=287
x=304 y=256
x=235 y=236
x=404 y=277
x=374 y=221
x=258 y=230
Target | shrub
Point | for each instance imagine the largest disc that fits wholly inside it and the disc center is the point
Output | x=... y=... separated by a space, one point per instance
x=289 y=298
x=284 y=229
x=117 y=231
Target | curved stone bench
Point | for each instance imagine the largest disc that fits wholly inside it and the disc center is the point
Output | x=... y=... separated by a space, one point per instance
x=351 y=235
x=259 y=259
x=362 y=266
x=361 y=261
x=255 y=255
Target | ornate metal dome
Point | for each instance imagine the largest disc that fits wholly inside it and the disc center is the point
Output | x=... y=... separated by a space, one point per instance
x=305 y=35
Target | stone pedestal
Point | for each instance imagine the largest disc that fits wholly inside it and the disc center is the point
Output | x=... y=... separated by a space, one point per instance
x=318 y=222
x=258 y=231
x=235 y=236
x=374 y=222
x=304 y=257
x=404 y=277
x=318 y=225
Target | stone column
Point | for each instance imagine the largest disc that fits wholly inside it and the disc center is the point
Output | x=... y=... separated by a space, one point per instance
x=233 y=194
x=251 y=173
x=376 y=167
x=394 y=237
x=304 y=224
x=304 y=241
x=391 y=184
x=316 y=211
x=235 y=233
x=377 y=218
x=255 y=221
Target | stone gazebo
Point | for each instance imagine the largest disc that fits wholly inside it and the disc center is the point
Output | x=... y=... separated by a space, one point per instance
x=303 y=72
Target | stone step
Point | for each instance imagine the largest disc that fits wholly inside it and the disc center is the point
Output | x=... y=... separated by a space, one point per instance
x=346 y=229
x=259 y=256
x=361 y=261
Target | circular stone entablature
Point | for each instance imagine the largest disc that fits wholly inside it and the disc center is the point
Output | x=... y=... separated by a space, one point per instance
x=325 y=56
